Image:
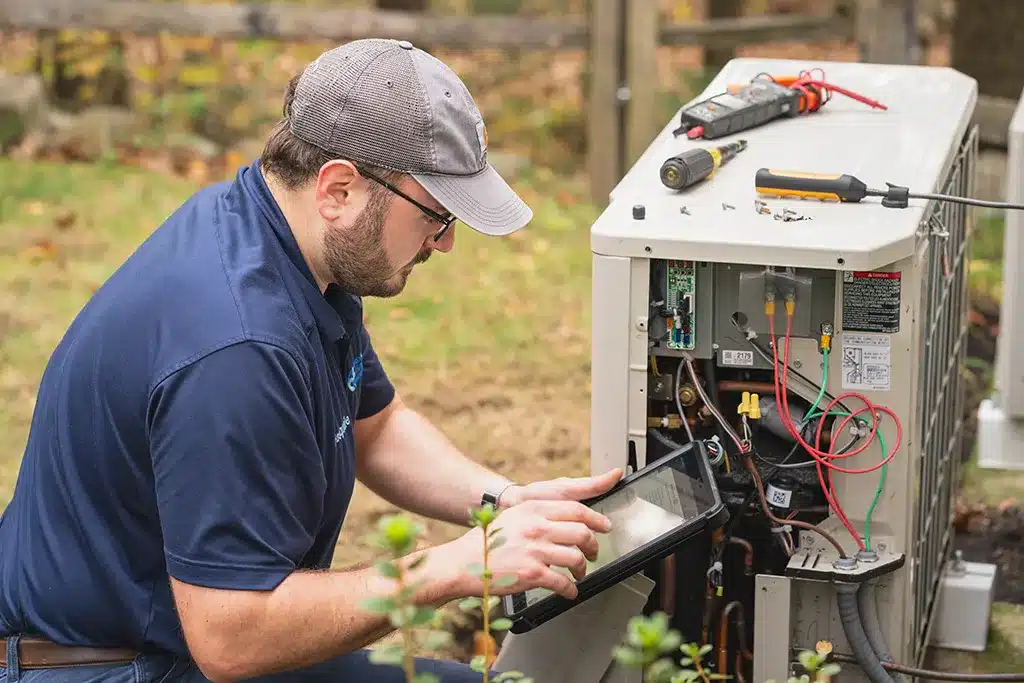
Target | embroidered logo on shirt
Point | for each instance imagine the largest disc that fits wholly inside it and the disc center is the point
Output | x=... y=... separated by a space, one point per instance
x=342 y=430
x=356 y=373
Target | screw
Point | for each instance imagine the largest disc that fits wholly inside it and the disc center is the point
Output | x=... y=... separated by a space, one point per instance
x=639 y=212
x=683 y=209
x=881 y=547
x=761 y=207
x=798 y=364
x=727 y=206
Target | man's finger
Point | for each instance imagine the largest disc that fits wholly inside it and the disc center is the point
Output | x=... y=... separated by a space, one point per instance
x=559 y=583
x=562 y=556
x=572 y=511
x=589 y=487
x=573 y=534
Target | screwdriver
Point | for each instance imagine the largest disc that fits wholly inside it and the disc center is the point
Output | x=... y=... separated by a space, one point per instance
x=846 y=188
x=693 y=166
x=840 y=188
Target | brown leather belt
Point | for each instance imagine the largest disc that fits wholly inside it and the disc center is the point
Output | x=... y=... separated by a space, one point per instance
x=40 y=653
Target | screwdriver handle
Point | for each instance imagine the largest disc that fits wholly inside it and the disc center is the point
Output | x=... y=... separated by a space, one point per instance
x=836 y=187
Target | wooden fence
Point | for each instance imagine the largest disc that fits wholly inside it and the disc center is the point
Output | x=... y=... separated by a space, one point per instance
x=621 y=37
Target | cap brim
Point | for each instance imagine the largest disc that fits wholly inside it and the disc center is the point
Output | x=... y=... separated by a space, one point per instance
x=483 y=201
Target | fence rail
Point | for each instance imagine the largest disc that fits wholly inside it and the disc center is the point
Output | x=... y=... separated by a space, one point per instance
x=621 y=38
x=287 y=21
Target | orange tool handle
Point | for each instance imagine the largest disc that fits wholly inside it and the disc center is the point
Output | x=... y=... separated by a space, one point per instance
x=835 y=187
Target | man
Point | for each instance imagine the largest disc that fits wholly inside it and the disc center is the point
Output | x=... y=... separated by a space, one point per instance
x=199 y=429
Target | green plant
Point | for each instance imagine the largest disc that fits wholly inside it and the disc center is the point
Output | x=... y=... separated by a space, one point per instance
x=397 y=534
x=650 y=645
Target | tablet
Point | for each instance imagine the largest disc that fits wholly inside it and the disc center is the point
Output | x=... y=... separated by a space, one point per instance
x=653 y=512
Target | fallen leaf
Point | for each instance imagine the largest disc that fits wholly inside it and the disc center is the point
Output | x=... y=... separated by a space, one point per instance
x=485 y=646
x=65 y=219
x=34 y=208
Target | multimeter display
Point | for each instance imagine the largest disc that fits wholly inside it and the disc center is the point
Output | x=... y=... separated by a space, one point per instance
x=731 y=112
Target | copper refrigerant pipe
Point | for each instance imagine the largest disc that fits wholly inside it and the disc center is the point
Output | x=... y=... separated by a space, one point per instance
x=668 y=596
x=743 y=385
x=723 y=636
x=748 y=559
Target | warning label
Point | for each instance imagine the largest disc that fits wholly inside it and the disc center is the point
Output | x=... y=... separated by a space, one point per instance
x=867 y=362
x=871 y=301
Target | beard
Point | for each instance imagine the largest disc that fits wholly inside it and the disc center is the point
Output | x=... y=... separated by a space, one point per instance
x=355 y=255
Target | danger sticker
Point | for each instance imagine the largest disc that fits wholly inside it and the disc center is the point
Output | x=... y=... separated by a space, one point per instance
x=871 y=301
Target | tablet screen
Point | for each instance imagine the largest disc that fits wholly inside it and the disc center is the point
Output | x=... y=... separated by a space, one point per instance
x=642 y=512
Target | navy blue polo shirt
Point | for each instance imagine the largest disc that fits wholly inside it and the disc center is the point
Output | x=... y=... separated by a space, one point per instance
x=195 y=421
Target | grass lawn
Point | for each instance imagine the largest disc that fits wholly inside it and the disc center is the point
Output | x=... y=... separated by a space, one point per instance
x=491 y=341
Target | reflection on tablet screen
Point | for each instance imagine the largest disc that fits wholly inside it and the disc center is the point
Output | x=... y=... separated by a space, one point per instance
x=640 y=513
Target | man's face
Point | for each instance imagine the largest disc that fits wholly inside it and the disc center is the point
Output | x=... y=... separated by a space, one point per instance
x=371 y=247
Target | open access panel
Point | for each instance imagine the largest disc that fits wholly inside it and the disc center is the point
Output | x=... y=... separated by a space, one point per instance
x=853 y=437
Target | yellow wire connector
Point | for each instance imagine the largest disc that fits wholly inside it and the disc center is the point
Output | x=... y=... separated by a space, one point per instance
x=825 y=343
x=769 y=303
x=755 y=407
x=790 y=304
x=744 y=407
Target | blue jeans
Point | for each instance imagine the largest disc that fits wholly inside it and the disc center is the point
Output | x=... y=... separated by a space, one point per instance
x=158 y=668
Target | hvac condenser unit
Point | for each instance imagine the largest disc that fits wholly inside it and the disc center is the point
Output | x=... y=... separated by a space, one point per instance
x=682 y=337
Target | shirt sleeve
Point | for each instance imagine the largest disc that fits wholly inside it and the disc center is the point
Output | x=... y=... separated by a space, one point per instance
x=377 y=391
x=238 y=473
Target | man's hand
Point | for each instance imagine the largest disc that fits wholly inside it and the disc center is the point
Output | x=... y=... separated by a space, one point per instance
x=563 y=488
x=539 y=536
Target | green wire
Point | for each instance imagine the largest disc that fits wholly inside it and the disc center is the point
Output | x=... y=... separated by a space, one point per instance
x=813 y=413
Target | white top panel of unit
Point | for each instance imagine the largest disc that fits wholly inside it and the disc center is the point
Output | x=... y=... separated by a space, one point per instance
x=909 y=144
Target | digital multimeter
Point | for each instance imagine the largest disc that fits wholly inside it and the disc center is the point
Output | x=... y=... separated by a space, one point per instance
x=754 y=104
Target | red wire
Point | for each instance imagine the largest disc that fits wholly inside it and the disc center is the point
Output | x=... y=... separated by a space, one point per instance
x=810 y=83
x=781 y=399
x=824 y=459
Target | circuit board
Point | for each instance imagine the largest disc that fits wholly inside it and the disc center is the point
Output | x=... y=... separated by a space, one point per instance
x=680 y=288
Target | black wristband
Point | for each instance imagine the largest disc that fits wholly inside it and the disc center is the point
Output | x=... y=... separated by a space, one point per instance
x=491 y=498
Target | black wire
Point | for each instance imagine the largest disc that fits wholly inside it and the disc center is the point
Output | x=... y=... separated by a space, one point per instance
x=938 y=675
x=967 y=200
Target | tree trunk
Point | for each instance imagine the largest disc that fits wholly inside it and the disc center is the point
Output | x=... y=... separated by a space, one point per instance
x=987 y=45
x=716 y=58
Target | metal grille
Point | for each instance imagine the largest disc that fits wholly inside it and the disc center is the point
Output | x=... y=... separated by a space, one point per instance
x=941 y=388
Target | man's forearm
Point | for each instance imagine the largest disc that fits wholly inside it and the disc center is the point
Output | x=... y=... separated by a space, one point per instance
x=245 y=634
x=412 y=465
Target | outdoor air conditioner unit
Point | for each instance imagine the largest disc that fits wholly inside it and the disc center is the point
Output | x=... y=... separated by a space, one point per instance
x=684 y=275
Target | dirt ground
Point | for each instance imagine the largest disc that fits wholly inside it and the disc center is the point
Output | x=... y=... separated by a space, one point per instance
x=996 y=535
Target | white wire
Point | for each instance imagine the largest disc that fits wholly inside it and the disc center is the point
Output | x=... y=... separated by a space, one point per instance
x=679 y=403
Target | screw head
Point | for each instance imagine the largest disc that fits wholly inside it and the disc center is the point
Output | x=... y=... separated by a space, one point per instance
x=639 y=212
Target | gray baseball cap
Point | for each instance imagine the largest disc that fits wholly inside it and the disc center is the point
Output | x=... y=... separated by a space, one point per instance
x=387 y=103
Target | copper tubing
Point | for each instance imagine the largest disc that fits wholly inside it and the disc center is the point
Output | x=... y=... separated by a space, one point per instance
x=741 y=385
x=749 y=462
x=709 y=598
x=748 y=559
x=742 y=652
x=668 y=595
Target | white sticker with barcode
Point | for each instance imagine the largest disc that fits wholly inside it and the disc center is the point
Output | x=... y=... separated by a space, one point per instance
x=780 y=498
x=744 y=358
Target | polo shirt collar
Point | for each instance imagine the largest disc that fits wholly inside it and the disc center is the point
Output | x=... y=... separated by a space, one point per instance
x=330 y=310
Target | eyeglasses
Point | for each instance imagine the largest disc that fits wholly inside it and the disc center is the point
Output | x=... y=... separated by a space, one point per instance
x=446 y=221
